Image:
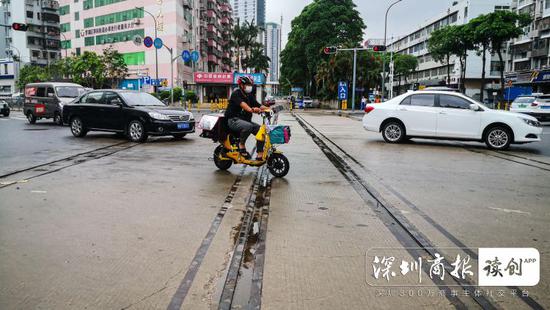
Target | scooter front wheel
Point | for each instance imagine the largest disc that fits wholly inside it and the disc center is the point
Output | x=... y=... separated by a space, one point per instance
x=278 y=165
x=220 y=163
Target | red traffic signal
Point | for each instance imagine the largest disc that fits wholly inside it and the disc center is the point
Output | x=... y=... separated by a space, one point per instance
x=379 y=48
x=330 y=50
x=19 y=27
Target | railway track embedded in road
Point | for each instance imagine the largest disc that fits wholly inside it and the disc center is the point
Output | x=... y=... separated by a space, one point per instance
x=241 y=285
x=405 y=232
x=23 y=175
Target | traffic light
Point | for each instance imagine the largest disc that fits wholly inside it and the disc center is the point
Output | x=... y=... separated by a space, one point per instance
x=379 y=48
x=19 y=27
x=330 y=50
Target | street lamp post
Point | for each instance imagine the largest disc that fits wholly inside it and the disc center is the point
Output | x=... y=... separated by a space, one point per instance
x=156 y=36
x=384 y=58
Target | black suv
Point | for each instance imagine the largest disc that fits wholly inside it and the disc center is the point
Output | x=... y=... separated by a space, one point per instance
x=135 y=114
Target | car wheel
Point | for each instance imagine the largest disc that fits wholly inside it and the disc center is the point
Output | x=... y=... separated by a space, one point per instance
x=179 y=136
x=6 y=113
x=57 y=119
x=498 y=138
x=136 y=131
x=77 y=127
x=221 y=163
x=31 y=118
x=393 y=132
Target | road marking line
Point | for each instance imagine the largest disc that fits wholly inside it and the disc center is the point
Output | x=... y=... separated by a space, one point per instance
x=510 y=210
x=39 y=192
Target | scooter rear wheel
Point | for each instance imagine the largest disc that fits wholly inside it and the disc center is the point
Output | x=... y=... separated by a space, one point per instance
x=278 y=165
x=221 y=164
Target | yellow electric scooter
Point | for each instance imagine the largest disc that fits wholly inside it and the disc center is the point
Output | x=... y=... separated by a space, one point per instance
x=227 y=153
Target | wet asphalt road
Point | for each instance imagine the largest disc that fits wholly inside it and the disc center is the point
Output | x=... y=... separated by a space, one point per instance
x=156 y=226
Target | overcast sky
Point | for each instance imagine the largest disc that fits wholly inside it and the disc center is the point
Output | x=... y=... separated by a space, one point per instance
x=403 y=17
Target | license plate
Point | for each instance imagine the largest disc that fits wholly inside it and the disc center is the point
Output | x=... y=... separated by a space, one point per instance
x=545 y=106
x=183 y=126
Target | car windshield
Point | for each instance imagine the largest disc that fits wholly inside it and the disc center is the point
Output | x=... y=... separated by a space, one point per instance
x=524 y=100
x=69 y=91
x=140 y=99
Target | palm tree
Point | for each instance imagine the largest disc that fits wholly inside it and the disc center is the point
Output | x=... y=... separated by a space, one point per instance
x=257 y=60
x=244 y=40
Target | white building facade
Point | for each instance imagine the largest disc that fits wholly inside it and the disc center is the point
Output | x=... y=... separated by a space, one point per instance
x=272 y=44
x=249 y=10
x=431 y=72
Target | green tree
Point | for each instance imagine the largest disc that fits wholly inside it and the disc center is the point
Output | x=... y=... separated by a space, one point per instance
x=440 y=48
x=404 y=65
x=88 y=70
x=502 y=26
x=257 y=61
x=482 y=41
x=321 y=23
x=245 y=36
x=32 y=74
x=116 y=69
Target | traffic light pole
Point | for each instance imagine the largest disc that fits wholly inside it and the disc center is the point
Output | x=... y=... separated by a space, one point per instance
x=156 y=50
x=385 y=44
x=354 y=72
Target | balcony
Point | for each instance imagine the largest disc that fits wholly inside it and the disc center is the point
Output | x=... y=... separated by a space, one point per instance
x=539 y=52
x=212 y=43
x=50 y=5
x=224 y=21
x=213 y=58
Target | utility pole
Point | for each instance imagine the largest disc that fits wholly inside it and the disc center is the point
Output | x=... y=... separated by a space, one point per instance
x=354 y=71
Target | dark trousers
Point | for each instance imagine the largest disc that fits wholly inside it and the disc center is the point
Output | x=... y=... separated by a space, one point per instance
x=244 y=129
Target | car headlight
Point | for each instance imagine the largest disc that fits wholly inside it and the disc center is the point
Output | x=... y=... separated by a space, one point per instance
x=531 y=122
x=159 y=116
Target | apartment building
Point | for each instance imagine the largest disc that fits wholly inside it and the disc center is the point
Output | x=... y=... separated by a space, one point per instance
x=39 y=45
x=272 y=46
x=431 y=72
x=529 y=64
x=93 y=25
x=249 y=11
x=216 y=35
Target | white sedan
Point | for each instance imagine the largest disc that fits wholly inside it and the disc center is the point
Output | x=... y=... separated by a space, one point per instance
x=450 y=116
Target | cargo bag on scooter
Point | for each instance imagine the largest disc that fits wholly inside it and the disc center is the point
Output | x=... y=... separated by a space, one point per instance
x=211 y=126
x=279 y=134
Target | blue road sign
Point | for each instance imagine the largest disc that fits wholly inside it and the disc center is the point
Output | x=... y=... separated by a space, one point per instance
x=195 y=56
x=146 y=80
x=259 y=78
x=186 y=56
x=297 y=89
x=148 y=41
x=158 y=43
x=342 y=90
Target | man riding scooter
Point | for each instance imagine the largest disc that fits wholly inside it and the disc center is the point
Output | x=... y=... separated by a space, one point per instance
x=239 y=115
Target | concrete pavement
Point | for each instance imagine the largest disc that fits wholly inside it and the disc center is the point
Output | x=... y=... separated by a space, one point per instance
x=126 y=230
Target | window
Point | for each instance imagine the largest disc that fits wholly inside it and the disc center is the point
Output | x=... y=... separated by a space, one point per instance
x=78 y=51
x=76 y=15
x=547 y=4
x=41 y=92
x=89 y=41
x=66 y=27
x=64 y=10
x=453 y=102
x=111 y=98
x=77 y=33
x=30 y=14
x=406 y=101
x=99 y=3
x=88 y=22
x=6 y=69
x=66 y=44
x=422 y=100
x=118 y=17
x=88 y=4
x=133 y=59
x=465 y=12
x=94 y=97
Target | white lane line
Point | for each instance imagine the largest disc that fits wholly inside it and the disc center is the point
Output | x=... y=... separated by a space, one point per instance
x=39 y=192
x=510 y=211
